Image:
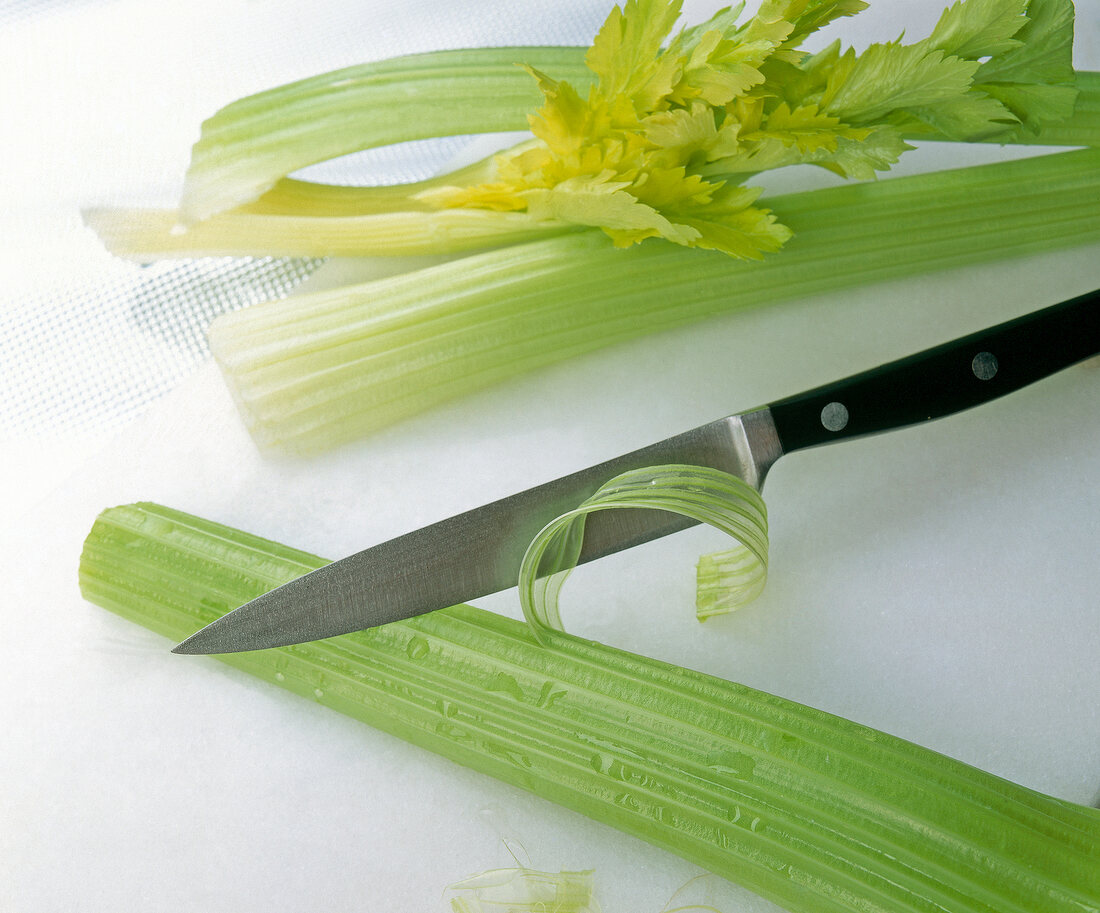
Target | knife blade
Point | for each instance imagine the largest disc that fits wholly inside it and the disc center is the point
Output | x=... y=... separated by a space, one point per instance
x=476 y=553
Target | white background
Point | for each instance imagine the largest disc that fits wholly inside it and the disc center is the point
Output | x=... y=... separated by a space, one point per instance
x=938 y=583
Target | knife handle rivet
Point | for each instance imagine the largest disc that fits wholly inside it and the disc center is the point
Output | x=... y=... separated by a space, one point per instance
x=834 y=416
x=984 y=365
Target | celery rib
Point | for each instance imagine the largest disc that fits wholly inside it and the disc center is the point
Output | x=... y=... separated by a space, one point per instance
x=688 y=777
x=247 y=146
x=301 y=218
x=813 y=812
x=357 y=393
x=146 y=234
x=317 y=370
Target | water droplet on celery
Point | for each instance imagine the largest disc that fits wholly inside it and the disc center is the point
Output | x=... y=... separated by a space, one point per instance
x=732 y=764
x=417 y=648
x=626 y=800
x=506 y=684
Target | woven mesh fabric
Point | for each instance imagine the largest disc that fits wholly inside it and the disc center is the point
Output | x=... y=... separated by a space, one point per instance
x=100 y=351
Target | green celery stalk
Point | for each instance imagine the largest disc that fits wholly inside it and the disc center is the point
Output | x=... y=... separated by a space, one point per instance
x=317 y=370
x=248 y=145
x=298 y=218
x=815 y=813
x=245 y=147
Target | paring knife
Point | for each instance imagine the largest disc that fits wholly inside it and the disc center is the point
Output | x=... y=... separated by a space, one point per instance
x=478 y=552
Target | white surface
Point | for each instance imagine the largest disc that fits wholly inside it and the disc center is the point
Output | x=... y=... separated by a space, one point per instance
x=938 y=583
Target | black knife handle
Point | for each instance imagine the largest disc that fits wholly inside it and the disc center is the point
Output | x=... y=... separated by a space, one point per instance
x=945 y=379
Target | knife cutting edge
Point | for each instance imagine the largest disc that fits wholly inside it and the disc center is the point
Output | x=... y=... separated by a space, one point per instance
x=476 y=553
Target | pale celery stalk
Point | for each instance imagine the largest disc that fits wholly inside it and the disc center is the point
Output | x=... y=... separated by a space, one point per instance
x=816 y=813
x=321 y=369
x=305 y=218
x=248 y=145
x=292 y=196
x=309 y=219
x=245 y=147
x=148 y=234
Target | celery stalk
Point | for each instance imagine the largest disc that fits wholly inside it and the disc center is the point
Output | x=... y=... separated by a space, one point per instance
x=249 y=144
x=308 y=219
x=298 y=218
x=317 y=370
x=148 y=234
x=811 y=811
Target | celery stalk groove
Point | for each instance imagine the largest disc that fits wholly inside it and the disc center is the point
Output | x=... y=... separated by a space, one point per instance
x=317 y=370
x=811 y=811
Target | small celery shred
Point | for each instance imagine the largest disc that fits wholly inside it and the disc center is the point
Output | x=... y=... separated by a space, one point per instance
x=710 y=496
x=320 y=369
x=815 y=813
x=653 y=141
x=525 y=890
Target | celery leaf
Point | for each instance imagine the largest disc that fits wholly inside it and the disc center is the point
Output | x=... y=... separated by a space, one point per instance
x=1035 y=80
x=599 y=201
x=979 y=28
x=625 y=55
x=889 y=76
x=1045 y=54
x=637 y=154
x=806 y=128
x=728 y=224
x=973 y=116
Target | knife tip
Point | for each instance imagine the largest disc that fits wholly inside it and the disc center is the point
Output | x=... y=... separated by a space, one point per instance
x=184 y=649
x=202 y=642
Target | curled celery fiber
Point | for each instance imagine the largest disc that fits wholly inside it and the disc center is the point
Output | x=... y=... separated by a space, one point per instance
x=719 y=499
x=317 y=370
x=815 y=813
